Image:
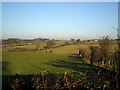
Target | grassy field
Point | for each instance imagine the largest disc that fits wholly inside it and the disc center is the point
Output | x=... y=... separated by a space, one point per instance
x=29 y=62
x=62 y=59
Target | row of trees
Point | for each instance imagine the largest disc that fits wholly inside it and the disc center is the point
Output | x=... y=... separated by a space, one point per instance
x=17 y=41
x=51 y=44
x=104 y=55
x=11 y=41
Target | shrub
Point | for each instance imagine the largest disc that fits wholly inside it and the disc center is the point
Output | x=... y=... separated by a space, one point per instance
x=22 y=49
x=105 y=45
x=84 y=53
x=73 y=81
x=95 y=55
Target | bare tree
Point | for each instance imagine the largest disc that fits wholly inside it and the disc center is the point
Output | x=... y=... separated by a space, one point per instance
x=51 y=44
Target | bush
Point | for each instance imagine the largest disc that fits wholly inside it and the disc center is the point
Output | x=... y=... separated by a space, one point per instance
x=95 y=55
x=22 y=49
x=105 y=45
x=48 y=81
x=84 y=53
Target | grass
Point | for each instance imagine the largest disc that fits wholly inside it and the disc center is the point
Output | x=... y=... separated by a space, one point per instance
x=29 y=62
x=19 y=66
x=26 y=62
x=62 y=59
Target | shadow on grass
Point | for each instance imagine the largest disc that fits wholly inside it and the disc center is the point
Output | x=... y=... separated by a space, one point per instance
x=5 y=67
x=33 y=65
x=75 y=62
x=77 y=56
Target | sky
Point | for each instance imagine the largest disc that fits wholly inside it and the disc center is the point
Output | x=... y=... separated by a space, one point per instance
x=59 y=20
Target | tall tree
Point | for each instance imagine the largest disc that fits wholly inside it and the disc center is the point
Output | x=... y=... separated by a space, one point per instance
x=105 y=45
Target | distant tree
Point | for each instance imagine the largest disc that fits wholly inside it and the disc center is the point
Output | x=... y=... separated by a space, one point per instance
x=46 y=47
x=10 y=41
x=53 y=40
x=72 y=39
x=78 y=40
x=66 y=43
x=37 y=44
x=51 y=44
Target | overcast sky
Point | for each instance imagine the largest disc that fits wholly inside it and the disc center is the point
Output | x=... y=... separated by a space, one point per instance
x=59 y=20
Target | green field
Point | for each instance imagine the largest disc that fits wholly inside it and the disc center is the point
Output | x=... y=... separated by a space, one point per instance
x=29 y=62
x=60 y=60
